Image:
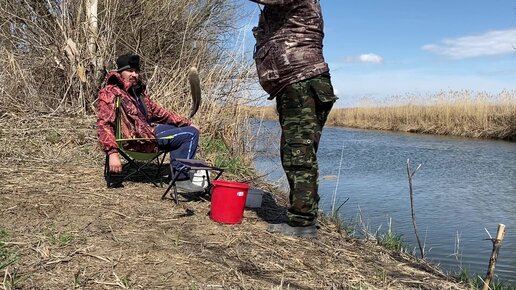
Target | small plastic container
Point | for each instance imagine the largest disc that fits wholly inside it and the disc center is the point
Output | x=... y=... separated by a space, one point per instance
x=254 y=198
x=199 y=178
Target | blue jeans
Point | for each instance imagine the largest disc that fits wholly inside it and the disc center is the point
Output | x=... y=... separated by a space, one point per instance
x=183 y=145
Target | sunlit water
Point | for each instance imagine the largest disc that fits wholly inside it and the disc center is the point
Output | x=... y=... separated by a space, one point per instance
x=464 y=186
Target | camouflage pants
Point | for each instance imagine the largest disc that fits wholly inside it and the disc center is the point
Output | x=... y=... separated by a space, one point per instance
x=303 y=108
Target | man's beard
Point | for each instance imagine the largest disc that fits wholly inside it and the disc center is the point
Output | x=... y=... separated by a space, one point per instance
x=133 y=81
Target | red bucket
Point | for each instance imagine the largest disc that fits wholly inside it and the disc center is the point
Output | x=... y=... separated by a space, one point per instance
x=228 y=201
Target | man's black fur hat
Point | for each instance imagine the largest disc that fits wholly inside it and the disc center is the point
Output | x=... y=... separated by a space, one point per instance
x=127 y=61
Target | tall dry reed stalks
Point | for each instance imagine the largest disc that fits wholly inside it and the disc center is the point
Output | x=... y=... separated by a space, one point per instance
x=55 y=54
x=457 y=113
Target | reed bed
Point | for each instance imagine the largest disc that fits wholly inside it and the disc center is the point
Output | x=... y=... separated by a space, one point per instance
x=457 y=113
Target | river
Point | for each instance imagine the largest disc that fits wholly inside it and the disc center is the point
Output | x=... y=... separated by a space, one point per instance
x=463 y=188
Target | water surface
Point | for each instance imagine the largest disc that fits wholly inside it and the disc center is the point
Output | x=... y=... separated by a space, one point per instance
x=464 y=186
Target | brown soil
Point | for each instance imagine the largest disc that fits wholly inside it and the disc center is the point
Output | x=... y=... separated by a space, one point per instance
x=70 y=232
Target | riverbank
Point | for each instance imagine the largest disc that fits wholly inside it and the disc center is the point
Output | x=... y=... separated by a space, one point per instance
x=365 y=172
x=62 y=228
x=459 y=113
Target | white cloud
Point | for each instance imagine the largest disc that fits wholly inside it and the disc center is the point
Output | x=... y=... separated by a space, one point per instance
x=491 y=43
x=365 y=58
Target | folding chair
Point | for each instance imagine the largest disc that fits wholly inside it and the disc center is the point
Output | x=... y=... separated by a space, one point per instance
x=138 y=161
x=192 y=164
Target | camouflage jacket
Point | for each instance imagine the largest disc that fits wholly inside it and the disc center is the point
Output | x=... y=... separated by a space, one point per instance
x=289 y=43
x=133 y=123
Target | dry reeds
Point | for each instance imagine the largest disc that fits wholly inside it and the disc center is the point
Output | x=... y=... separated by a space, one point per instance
x=56 y=52
x=458 y=113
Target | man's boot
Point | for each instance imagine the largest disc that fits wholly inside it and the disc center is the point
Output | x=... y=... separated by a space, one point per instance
x=288 y=230
x=186 y=186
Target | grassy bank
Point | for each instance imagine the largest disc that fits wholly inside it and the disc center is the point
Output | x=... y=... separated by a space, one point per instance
x=460 y=113
x=395 y=242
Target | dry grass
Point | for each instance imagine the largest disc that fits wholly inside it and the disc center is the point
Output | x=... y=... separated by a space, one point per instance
x=51 y=68
x=453 y=113
x=69 y=231
x=55 y=58
x=461 y=113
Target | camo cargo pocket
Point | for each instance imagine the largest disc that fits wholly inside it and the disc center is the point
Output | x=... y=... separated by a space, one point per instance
x=299 y=153
x=322 y=87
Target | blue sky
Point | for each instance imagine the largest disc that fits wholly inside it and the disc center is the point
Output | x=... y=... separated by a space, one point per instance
x=383 y=48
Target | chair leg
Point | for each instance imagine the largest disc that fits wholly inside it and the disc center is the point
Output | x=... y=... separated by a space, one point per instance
x=138 y=168
x=107 y=173
x=160 y=171
x=172 y=184
x=206 y=183
x=210 y=186
x=108 y=176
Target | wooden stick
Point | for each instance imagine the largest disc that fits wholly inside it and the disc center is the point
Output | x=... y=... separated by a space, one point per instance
x=497 y=242
x=410 y=174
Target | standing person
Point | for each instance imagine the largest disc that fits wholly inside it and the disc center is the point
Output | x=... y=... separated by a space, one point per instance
x=291 y=68
x=141 y=117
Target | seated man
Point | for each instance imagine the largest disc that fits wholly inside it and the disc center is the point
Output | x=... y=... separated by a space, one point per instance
x=142 y=118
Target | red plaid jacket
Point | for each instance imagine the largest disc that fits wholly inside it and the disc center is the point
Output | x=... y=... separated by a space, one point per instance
x=133 y=121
